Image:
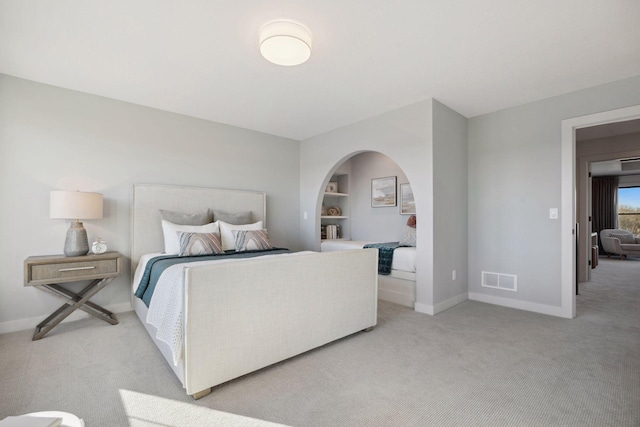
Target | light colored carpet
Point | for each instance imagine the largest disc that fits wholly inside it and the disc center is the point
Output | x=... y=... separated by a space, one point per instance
x=473 y=365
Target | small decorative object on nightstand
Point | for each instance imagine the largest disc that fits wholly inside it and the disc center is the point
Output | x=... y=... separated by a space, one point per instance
x=75 y=205
x=47 y=272
x=99 y=246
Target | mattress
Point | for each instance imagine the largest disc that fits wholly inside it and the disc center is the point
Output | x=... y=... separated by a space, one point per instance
x=404 y=258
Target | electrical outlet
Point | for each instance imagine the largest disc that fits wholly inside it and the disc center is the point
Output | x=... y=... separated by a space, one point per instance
x=305 y=215
x=453 y=275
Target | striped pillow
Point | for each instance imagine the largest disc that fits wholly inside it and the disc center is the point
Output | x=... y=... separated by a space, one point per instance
x=199 y=243
x=250 y=240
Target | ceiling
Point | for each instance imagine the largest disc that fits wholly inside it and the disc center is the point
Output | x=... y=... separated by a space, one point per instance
x=608 y=130
x=201 y=57
x=617 y=167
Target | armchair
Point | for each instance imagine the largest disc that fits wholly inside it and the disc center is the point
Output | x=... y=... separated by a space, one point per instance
x=620 y=242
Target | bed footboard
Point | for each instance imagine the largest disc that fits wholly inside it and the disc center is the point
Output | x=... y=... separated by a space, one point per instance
x=244 y=316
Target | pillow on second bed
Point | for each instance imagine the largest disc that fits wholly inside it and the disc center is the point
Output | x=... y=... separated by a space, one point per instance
x=408 y=236
x=170 y=231
x=226 y=231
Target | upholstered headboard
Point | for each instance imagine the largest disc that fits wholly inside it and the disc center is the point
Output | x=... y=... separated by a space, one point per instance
x=148 y=199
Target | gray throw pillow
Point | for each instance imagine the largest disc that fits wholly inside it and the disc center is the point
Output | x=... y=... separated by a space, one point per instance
x=180 y=218
x=237 y=218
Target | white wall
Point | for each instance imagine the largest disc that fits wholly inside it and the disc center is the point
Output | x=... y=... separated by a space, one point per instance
x=384 y=224
x=56 y=139
x=514 y=178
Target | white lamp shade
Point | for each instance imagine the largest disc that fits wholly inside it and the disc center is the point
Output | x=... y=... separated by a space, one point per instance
x=285 y=43
x=75 y=205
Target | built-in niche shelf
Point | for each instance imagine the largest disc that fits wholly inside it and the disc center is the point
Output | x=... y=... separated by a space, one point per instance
x=339 y=199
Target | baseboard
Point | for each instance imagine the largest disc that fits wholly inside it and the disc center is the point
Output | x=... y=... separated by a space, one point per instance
x=447 y=304
x=517 y=304
x=441 y=306
x=31 y=322
x=423 y=308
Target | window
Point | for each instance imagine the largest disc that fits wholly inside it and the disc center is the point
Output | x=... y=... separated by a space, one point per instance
x=629 y=209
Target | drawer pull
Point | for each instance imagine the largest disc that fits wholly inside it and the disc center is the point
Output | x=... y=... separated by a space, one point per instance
x=77 y=268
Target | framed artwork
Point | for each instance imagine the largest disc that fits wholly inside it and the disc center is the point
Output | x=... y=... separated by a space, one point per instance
x=407 y=204
x=383 y=192
x=332 y=187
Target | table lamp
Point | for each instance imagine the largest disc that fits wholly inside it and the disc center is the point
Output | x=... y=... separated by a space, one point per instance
x=75 y=205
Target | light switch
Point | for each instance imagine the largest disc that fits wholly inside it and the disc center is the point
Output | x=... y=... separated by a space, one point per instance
x=553 y=213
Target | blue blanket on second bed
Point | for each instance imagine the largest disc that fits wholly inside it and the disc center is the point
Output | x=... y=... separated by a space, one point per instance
x=385 y=255
x=157 y=265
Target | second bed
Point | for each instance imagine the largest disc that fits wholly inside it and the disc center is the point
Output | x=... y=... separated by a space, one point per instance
x=399 y=286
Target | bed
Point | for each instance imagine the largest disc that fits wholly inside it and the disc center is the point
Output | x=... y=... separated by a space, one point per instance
x=241 y=316
x=399 y=286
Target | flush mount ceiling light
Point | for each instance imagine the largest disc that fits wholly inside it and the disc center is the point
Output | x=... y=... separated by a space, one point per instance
x=285 y=43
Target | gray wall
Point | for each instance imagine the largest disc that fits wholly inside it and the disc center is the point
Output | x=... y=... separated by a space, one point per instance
x=56 y=139
x=383 y=224
x=449 y=206
x=409 y=138
x=514 y=178
x=405 y=136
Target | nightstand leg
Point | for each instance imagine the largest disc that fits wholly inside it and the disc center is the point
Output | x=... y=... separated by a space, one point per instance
x=87 y=307
x=75 y=301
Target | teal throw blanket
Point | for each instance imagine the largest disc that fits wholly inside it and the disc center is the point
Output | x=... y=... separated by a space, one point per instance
x=157 y=265
x=385 y=255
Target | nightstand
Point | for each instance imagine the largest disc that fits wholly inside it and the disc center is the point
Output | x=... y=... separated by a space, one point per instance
x=48 y=272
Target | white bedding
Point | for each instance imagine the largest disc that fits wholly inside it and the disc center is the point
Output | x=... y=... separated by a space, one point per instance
x=404 y=258
x=165 y=311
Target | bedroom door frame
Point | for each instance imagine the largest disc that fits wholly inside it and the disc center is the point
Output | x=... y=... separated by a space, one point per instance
x=568 y=197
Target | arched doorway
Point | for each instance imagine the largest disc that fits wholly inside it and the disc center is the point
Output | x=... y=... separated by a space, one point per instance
x=366 y=199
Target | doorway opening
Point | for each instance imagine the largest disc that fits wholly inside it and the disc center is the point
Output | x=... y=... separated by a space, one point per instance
x=571 y=171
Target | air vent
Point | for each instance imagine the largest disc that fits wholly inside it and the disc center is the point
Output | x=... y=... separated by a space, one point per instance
x=630 y=164
x=507 y=282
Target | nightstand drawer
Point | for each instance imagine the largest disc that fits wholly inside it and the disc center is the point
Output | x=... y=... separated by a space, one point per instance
x=44 y=270
x=71 y=270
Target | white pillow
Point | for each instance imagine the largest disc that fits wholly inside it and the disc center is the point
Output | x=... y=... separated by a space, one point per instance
x=170 y=231
x=226 y=231
x=408 y=236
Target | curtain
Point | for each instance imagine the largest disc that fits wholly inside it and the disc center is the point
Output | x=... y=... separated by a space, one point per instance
x=604 y=202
